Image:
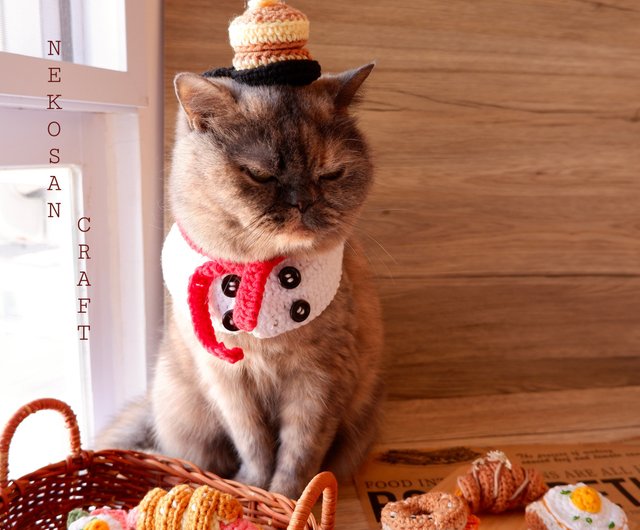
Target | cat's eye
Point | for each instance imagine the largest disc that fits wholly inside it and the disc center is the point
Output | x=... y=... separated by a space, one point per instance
x=333 y=175
x=258 y=176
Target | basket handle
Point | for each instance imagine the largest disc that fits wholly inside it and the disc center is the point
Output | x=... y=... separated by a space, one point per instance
x=323 y=483
x=22 y=413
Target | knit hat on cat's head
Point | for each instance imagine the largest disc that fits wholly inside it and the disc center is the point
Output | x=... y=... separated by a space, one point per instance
x=269 y=41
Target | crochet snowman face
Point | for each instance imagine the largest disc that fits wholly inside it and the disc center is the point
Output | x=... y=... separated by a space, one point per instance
x=264 y=299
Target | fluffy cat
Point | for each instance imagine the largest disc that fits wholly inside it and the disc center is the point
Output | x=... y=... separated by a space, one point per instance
x=260 y=172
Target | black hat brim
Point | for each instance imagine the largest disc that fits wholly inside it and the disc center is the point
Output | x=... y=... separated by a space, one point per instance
x=295 y=72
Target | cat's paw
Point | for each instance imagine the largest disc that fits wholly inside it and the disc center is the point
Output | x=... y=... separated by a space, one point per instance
x=252 y=477
x=287 y=485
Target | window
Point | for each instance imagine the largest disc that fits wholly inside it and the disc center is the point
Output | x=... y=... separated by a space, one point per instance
x=38 y=326
x=91 y=33
x=108 y=138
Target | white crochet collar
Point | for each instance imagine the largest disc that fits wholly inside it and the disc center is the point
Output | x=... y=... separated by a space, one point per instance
x=296 y=291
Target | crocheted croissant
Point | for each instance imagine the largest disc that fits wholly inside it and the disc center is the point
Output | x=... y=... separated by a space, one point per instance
x=495 y=485
x=183 y=508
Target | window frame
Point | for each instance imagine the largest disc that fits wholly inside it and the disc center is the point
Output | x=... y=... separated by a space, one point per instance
x=118 y=115
x=85 y=87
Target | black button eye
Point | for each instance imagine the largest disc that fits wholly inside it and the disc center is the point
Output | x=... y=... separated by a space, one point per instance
x=333 y=175
x=289 y=277
x=300 y=310
x=230 y=284
x=227 y=321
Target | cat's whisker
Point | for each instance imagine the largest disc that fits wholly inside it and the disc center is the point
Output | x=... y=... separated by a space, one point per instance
x=351 y=247
x=371 y=210
x=249 y=228
x=384 y=263
x=395 y=261
x=357 y=226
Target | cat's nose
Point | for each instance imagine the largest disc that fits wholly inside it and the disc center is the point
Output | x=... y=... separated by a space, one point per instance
x=299 y=200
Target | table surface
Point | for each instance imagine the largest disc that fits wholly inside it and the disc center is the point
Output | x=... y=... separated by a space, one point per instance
x=571 y=416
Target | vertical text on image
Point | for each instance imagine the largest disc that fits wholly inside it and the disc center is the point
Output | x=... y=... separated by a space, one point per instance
x=54 y=129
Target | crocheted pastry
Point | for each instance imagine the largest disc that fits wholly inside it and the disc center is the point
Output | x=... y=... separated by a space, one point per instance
x=575 y=507
x=431 y=511
x=269 y=41
x=496 y=485
x=183 y=508
x=100 y=519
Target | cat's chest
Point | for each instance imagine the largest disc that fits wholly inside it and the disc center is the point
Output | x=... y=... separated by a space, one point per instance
x=291 y=294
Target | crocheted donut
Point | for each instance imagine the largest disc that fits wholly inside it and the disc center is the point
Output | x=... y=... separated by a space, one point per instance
x=431 y=511
x=495 y=485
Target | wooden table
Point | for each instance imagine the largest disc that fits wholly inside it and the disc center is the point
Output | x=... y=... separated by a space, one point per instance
x=579 y=416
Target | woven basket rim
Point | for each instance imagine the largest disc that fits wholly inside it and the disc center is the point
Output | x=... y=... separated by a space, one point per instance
x=140 y=472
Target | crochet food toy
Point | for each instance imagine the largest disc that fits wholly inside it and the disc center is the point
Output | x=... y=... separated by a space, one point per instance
x=269 y=42
x=263 y=298
x=181 y=508
x=575 y=507
x=430 y=511
x=495 y=485
x=100 y=519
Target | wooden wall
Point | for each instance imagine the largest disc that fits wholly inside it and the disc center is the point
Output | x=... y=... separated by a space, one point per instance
x=504 y=228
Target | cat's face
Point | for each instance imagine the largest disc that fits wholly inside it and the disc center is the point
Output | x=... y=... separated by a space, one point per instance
x=260 y=172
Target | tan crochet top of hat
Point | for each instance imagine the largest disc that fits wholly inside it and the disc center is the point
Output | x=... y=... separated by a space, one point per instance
x=268 y=31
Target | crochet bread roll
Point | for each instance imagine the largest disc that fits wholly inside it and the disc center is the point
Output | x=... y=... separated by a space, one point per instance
x=183 y=508
x=495 y=485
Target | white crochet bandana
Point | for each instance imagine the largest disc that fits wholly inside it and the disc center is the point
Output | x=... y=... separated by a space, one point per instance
x=296 y=290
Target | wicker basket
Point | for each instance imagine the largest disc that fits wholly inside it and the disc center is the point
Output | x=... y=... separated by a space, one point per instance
x=116 y=478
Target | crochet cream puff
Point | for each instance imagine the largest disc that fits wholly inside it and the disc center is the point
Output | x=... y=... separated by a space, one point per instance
x=269 y=42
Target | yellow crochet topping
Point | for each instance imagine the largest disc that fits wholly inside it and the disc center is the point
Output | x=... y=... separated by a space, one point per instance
x=257 y=4
x=586 y=499
x=97 y=524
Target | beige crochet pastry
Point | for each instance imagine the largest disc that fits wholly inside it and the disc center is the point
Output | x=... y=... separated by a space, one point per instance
x=495 y=485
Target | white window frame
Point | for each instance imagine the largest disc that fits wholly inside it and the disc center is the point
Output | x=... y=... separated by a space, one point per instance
x=118 y=126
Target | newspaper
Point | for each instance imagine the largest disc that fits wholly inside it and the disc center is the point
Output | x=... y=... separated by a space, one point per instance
x=393 y=474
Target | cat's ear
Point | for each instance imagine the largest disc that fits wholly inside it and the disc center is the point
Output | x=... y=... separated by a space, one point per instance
x=344 y=87
x=203 y=99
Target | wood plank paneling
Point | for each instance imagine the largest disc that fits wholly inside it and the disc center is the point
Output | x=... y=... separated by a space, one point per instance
x=527 y=318
x=504 y=227
x=473 y=377
x=550 y=417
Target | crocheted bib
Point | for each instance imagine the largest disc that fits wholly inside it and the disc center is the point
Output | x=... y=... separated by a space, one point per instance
x=264 y=299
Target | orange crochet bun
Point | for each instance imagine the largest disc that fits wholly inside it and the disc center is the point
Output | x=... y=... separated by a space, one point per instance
x=495 y=485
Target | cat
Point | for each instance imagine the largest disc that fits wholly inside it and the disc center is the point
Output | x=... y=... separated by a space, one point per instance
x=260 y=172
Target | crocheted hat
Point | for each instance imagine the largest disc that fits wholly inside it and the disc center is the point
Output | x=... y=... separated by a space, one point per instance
x=269 y=41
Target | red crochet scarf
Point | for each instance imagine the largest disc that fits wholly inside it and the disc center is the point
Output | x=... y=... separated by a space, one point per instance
x=248 y=298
